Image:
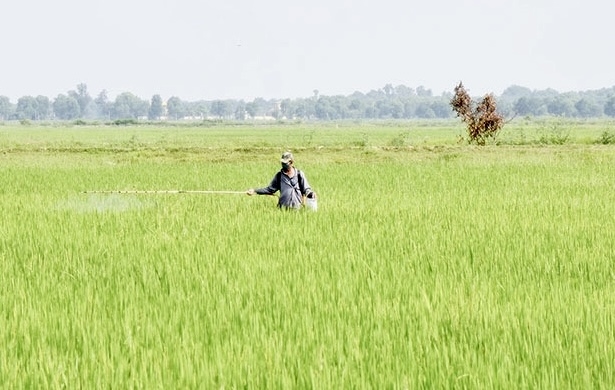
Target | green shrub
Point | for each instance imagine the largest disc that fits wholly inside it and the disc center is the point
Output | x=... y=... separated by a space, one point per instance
x=399 y=140
x=125 y=122
x=554 y=135
x=606 y=138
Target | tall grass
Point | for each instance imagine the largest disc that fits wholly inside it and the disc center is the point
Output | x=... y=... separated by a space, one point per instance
x=440 y=266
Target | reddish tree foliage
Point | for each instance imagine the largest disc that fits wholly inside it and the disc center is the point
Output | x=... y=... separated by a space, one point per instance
x=482 y=119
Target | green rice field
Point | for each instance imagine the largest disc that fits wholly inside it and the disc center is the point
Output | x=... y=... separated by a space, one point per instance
x=430 y=263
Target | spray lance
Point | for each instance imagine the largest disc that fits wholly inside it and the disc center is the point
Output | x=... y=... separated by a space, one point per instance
x=311 y=203
x=162 y=192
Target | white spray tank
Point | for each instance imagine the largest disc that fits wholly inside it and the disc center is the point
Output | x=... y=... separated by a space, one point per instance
x=311 y=204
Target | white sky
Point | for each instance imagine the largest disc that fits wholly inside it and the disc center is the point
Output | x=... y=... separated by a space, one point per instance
x=242 y=49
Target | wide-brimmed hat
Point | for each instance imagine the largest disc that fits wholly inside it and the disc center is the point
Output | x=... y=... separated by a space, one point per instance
x=287 y=157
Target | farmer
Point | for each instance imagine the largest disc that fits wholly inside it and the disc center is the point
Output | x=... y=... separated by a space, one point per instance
x=291 y=182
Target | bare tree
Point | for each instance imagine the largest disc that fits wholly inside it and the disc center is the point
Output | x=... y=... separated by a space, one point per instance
x=482 y=119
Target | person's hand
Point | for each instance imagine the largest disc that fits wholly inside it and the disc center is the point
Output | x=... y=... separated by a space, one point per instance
x=251 y=191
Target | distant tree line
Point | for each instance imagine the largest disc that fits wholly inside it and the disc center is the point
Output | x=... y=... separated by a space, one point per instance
x=388 y=102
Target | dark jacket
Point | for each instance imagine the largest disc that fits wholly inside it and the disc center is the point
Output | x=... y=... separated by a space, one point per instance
x=292 y=189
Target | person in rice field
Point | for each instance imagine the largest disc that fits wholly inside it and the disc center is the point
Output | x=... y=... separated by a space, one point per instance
x=291 y=182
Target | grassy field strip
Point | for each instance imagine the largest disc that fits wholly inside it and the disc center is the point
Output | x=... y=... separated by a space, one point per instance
x=444 y=267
